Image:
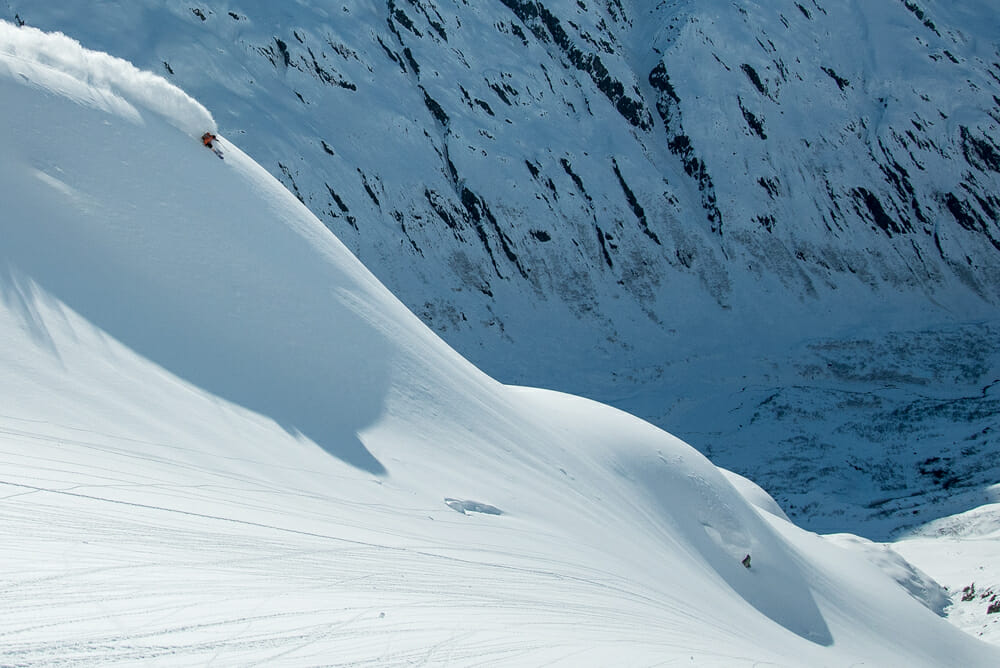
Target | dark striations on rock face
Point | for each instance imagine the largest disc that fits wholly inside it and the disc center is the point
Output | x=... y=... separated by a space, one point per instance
x=536 y=14
x=668 y=107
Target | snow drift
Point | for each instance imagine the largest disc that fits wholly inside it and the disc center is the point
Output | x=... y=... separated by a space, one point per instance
x=225 y=440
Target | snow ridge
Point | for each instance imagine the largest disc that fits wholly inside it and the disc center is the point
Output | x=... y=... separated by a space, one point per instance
x=60 y=63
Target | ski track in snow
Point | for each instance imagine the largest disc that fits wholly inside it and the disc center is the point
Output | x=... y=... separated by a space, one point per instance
x=197 y=547
x=146 y=543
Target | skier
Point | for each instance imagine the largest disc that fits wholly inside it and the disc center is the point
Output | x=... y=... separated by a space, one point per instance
x=207 y=139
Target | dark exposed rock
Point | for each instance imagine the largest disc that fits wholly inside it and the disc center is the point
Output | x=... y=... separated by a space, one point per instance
x=754 y=78
x=877 y=213
x=753 y=122
x=842 y=83
x=436 y=110
x=602 y=240
x=633 y=203
x=980 y=153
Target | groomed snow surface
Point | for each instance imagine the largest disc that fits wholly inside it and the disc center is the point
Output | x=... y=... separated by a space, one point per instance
x=224 y=441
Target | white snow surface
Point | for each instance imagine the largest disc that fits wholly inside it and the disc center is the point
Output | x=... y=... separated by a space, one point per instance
x=98 y=79
x=223 y=440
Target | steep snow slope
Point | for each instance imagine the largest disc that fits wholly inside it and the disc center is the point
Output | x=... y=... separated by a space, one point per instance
x=614 y=198
x=224 y=440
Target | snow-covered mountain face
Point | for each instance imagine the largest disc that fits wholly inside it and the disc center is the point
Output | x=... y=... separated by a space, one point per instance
x=224 y=441
x=685 y=208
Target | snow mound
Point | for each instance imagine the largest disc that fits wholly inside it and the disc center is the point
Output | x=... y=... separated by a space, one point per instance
x=60 y=63
x=679 y=493
x=754 y=494
x=919 y=585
